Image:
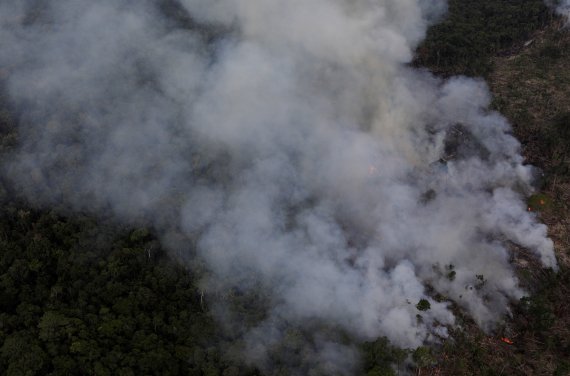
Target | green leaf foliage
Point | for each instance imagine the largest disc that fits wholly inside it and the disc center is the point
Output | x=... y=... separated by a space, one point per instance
x=80 y=298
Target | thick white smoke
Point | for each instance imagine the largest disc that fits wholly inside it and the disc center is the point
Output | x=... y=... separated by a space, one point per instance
x=291 y=141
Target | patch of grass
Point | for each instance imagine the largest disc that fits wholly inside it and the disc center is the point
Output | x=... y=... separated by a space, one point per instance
x=539 y=202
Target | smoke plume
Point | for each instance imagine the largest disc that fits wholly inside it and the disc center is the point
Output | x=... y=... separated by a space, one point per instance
x=562 y=8
x=290 y=144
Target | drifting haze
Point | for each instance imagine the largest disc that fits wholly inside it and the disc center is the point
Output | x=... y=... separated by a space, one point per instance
x=562 y=7
x=290 y=141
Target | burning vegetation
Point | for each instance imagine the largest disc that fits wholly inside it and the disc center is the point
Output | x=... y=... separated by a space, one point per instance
x=232 y=188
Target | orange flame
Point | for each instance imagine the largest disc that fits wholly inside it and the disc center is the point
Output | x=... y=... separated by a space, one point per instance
x=506 y=340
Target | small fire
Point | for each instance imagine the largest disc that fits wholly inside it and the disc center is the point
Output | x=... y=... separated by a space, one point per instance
x=541 y=202
x=507 y=341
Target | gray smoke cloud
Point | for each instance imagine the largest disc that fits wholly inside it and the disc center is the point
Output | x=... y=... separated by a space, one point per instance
x=562 y=7
x=291 y=142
